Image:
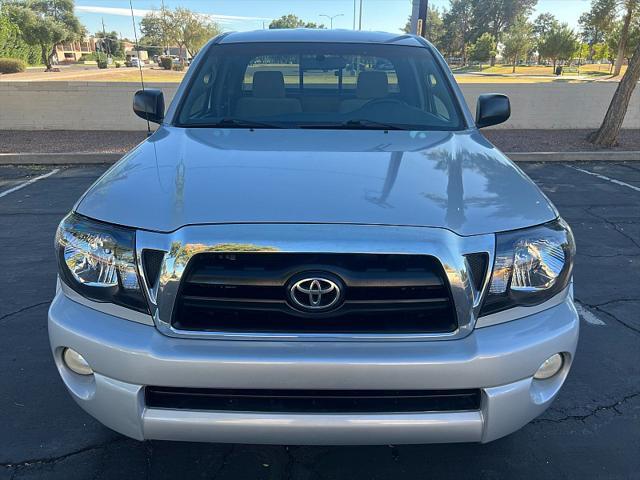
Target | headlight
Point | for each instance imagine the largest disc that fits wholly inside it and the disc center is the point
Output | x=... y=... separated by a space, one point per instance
x=97 y=260
x=530 y=266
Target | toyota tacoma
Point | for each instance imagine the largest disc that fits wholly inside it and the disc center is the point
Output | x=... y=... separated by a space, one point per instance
x=316 y=246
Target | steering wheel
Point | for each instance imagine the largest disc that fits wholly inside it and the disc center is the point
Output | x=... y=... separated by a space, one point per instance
x=382 y=101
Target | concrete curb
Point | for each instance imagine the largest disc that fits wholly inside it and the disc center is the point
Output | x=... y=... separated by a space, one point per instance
x=85 y=158
x=71 y=158
x=597 y=156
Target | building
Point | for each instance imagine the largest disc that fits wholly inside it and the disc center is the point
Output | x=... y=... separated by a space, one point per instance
x=69 y=52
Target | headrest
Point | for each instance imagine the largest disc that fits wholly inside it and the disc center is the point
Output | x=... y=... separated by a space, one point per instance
x=372 y=84
x=268 y=84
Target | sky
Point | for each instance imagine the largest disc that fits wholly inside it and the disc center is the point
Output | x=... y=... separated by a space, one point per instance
x=386 y=15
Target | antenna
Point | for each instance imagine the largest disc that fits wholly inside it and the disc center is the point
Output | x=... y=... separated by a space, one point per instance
x=135 y=36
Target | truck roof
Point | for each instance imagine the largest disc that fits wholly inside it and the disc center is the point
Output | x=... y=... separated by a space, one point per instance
x=321 y=35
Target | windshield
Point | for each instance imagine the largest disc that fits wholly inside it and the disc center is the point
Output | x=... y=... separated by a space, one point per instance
x=319 y=85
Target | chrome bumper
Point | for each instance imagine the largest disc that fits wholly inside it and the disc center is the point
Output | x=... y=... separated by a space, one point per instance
x=126 y=356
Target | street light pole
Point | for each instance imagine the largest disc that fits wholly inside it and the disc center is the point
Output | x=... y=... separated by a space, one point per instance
x=331 y=17
x=360 y=17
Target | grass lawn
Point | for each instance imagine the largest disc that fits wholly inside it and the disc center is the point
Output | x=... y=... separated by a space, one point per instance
x=498 y=74
x=594 y=70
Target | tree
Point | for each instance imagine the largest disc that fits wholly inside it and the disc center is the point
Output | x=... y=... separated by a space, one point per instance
x=182 y=27
x=196 y=30
x=633 y=38
x=11 y=43
x=458 y=33
x=110 y=44
x=45 y=23
x=292 y=21
x=607 y=134
x=435 y=30
x=600 y=52
x=154 y=29
x=542 y=25
x=631 y=7
x=497 y=16
x=484 y=48
x=518 y=40
x=598 y=22
x=559 y=44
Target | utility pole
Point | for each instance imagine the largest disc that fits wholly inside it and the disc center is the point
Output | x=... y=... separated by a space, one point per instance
x=354 y=14
x=104 y=40
x=164 y=30
x=360 y=17
x=419 y=14
x=331 y=17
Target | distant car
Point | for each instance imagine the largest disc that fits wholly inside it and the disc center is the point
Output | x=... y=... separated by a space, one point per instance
x=135 y=62
x=304 y=255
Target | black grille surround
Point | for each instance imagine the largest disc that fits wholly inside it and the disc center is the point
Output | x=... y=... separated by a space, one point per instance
x=312 y=401
x=248 y=293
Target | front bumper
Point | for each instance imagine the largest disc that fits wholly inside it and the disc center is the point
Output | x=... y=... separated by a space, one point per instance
x=126 y=356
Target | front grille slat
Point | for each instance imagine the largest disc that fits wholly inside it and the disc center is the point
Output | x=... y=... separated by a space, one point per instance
x=248 y=292
x=312 y=401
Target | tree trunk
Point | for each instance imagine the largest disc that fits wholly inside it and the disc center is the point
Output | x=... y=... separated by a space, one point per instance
x=607 y=135
x=515 y=59
x=45 y=57
x=623 y=40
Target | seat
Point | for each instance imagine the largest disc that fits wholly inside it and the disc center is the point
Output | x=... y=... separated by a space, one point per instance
x=371 y=85
x=268 y=97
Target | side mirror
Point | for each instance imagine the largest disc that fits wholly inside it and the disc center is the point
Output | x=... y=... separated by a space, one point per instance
x=492 y=109
x=149 y=104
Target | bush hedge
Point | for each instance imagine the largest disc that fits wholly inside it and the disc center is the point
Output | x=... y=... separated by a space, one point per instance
x=12 y=65
x=166 y=62
x=178 y=67
x=12 y=45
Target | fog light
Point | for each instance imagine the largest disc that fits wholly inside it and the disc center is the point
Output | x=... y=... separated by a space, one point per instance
x=76 y=362
x=550 y=367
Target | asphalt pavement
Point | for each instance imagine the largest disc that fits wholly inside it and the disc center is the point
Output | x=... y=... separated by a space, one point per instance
x=591 y=431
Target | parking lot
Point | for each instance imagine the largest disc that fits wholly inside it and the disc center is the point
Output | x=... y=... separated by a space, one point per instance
x=592 y=430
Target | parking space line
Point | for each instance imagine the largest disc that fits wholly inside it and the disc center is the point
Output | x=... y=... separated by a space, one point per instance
x=587 y=316
x=29 y=182
x=602 y=177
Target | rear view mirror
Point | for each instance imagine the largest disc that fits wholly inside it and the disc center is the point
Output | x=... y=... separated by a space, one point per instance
x=492 y=109
x=149 y=104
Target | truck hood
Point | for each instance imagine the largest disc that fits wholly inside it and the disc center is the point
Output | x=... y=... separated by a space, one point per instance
x=453 y=180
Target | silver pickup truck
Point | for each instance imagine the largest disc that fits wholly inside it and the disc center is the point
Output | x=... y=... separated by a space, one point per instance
x=316 y=246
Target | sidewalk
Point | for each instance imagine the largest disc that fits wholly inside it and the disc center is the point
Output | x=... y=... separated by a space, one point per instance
x=66 y=146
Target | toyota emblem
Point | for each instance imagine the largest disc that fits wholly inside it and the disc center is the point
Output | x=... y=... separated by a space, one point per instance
x=315 y=293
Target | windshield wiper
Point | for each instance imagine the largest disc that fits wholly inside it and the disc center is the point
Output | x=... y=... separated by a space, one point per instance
x=365 y=122
x=356 y=124
x=237 y=122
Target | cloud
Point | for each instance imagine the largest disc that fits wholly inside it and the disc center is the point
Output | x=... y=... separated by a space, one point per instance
x=125 y=12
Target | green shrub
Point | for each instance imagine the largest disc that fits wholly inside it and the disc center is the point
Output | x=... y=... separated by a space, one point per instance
x=13 y=46
x=87 y=57
x=118 y=64
x=102 y=60
x=12 y=65
x=178 y=67
x=166 y=62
